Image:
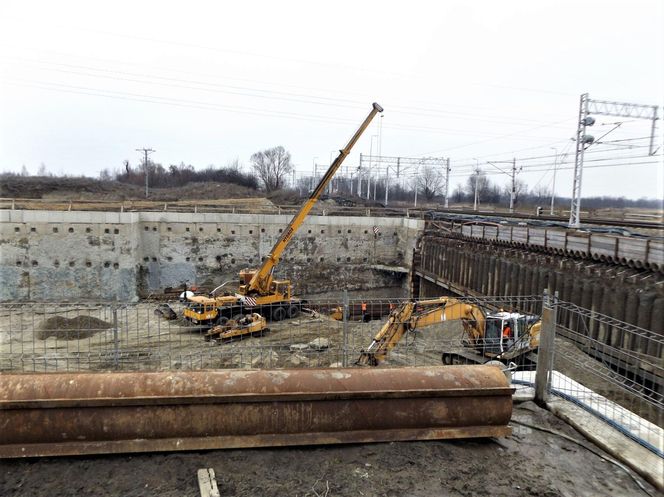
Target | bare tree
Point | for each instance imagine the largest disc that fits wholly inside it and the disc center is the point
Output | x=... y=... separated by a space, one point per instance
x=272 y=167
x=458 y=194
x=486 y=190
x=540 y=191
x=429 y=181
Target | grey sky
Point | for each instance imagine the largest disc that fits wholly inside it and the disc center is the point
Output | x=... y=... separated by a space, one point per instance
x=83 y=84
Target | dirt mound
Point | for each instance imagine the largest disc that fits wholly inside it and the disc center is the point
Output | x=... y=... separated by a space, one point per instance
x=55 y=188
x=64 y=188
x=71 y=329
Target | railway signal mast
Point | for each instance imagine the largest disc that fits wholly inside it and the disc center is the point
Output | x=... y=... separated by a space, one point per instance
x=588 y=106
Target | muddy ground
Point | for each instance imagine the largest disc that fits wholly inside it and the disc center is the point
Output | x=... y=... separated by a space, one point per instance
x=528 y=463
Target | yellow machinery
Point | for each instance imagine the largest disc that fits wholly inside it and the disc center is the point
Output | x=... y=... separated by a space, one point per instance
x=258 y=291
x=251 y=324
x=486 y=335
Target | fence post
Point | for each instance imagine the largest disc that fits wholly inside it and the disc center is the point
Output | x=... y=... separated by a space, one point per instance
x=546 y=347
x=344 y=360
x=116 y=343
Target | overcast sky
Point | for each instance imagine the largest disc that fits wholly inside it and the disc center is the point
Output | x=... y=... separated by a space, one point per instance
x=83 y=84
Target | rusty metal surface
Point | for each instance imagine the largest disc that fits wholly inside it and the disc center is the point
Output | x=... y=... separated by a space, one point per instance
x=65 y=414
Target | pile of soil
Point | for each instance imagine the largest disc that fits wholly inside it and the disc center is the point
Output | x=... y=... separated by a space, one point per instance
x=54 y=188
x=71 y=329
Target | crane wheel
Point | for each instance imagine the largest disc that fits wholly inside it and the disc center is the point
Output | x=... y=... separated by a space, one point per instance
x=293 y=311
x=278 y=314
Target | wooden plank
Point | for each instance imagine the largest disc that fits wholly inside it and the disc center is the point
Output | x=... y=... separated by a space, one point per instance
x=207 y=483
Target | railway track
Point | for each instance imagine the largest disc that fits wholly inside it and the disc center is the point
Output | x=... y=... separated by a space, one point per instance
x=654 y=225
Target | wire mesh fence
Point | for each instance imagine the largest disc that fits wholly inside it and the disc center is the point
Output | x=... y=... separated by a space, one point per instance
x=612 y=369
x=48 y=337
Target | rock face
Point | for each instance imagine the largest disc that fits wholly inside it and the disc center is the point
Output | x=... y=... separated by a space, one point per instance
x=320 y=344
x=298 y=347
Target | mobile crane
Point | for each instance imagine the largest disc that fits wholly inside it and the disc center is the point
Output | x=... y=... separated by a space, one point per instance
x=501 y=335
x=258 y=291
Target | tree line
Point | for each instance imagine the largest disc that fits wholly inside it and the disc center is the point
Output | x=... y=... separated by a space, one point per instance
x=271 y=170
x=181 y=174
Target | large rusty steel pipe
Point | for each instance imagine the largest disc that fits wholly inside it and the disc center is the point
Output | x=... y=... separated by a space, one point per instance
x=92 y=413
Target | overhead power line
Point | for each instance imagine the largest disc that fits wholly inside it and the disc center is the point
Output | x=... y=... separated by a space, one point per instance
x=142 y=97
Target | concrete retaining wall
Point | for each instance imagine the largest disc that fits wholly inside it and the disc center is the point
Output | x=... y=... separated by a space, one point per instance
x=51 y=255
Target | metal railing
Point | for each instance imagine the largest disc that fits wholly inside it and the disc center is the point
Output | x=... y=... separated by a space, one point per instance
x=241 y=206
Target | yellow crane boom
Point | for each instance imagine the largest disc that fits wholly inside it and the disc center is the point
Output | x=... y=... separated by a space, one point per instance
x=261 y=281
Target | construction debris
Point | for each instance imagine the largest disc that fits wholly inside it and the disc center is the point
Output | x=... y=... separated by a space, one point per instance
x=207 y=483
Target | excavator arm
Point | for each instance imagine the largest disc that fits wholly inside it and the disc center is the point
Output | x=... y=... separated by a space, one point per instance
x=415 y=315
x=389 y=335
x=262 y=279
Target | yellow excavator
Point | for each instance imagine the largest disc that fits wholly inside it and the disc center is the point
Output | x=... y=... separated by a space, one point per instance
x=504 y=336
x=258 y=291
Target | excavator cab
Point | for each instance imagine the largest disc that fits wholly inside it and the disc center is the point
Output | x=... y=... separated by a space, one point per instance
x=500 y=334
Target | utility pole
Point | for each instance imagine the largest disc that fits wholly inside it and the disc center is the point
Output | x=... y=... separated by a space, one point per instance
x=387 y=182
x=417 y=186
x=581 y=140
x=370 y=167
x=651 y=148
x=447 y=183
x=477 y=176
x=513 y=192
x=359 y=181
x=553 y=187
x=313 y=173
x=146 y=151
x=359 y=178
x=375 y=183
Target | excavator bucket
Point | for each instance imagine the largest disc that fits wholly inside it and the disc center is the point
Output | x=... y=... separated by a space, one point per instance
x=94 y=413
